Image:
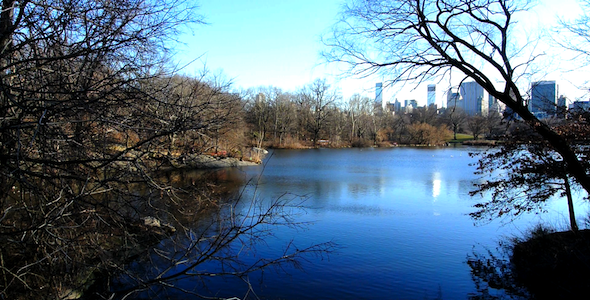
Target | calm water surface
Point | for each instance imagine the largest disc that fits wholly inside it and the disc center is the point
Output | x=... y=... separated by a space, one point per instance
x=399 y=217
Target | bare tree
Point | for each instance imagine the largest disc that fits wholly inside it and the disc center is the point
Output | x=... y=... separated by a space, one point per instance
x=90 y=112
x=416 y=40
x=259 y=114
x=424 y=115
x=320 y=98
x=525 y=172
x=455 y=117
x=284 y=116
x=476 y=125
x=75 y=127
x=493 y=124
x=360 y=110
x=579 y=37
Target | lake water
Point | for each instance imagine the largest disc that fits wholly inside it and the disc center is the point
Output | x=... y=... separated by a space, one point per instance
x=399 y=218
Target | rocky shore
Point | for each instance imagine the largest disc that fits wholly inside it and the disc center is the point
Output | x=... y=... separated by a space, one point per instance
x=211 y=162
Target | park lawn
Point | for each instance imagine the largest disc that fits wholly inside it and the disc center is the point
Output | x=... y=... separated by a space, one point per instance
x=461 y=137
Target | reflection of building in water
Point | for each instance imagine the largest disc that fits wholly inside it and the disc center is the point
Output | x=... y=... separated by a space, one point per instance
x=436 y=184
x=436 y=188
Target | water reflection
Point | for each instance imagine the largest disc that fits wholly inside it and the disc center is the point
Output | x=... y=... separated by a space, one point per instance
x=399 y=215
x=492 y=273
x=436 y=187
x=219 y=228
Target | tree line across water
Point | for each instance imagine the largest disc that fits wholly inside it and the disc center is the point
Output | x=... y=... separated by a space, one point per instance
x=316 y=116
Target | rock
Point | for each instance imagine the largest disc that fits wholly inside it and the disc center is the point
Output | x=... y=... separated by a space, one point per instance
x=155 y=223
x=151 y=222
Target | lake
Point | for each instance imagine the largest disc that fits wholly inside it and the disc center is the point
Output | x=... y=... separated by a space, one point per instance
x=399 y=218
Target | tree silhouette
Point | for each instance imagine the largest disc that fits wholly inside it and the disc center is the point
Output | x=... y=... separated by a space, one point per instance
x=524 y=171
x=91 y=113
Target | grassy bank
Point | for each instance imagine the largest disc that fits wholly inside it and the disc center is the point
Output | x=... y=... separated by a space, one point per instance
x=461 y=137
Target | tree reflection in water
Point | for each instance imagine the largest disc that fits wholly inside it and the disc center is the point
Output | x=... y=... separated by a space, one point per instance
x=493 y=275
x=212 y=239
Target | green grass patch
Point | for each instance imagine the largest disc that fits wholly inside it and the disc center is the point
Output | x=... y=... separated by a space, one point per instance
x=461 y=137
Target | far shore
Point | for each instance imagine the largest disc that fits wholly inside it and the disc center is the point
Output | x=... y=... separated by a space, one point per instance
x=470 y=142
x=208 y=161
x=204 y=161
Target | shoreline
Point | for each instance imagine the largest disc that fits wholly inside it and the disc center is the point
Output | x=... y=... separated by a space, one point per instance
x=204 y=161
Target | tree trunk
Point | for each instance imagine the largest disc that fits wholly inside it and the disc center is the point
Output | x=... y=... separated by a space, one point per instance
x=570 y=204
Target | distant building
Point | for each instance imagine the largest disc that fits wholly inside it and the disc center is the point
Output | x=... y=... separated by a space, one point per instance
x=561 y=106
x=391 y=108
x=561 y=101
x=495 y=106
x=379 y=94
x=454 y=99
x=543 y=102
x=492 y=103
x=580 y=106
x=431 y=96
x=475 y=99
x=260 y=97
x=398 y=105
x=410 y=105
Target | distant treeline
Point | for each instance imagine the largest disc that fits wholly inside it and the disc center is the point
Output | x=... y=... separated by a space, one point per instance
x=315 y=115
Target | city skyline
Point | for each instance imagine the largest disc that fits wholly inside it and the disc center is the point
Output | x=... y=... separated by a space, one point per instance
x=470 y=87
x=544 y=100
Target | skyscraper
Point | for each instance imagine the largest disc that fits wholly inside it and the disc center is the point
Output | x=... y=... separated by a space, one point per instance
x=379 y=93
x=397 y=106
x=561 y=106
x=410 y=105
x=454 y=99
x=494 y=105
x=431 y=96
x=475 y=99
x=543 y=101
x=580 y=106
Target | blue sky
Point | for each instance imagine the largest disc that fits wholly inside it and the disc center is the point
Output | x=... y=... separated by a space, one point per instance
x=263 y=42
x=277 y=43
